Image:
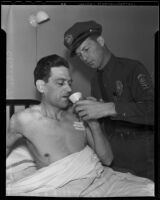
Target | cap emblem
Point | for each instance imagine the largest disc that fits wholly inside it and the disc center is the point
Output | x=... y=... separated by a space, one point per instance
x=68 y=38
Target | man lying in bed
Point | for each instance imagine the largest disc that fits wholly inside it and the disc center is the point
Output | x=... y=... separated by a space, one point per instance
x=59 y=144
x=50 y=128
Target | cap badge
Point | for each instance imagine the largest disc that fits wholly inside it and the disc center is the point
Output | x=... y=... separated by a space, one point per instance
x=69 y=39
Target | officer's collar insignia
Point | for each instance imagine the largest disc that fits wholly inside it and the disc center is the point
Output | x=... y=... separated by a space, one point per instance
x=119 y=88
x=69 y=38
x=143 y=82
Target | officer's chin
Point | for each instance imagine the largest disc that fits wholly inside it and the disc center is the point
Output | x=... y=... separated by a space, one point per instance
x=90 y=65
x=94 y=66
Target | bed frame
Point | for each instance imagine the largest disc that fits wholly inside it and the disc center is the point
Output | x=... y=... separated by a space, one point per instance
x=12 y=103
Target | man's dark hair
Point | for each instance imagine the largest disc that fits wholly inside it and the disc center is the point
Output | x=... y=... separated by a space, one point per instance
x=44 y=65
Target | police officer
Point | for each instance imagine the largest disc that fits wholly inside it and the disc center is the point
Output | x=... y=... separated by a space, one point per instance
x=122 y=99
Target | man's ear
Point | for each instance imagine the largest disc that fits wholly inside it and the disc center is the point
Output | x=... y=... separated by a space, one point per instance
x=100 y=40
x=40 y=84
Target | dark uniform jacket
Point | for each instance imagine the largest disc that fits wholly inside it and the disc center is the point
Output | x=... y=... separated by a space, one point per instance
x=128 y=84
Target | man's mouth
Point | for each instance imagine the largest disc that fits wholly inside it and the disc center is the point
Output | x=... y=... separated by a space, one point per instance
x=66 y=97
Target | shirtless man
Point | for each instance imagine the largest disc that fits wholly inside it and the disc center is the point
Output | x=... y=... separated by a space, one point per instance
x=50 y=128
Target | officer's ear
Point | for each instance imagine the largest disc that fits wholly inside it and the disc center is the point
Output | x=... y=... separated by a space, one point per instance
x=100 y=40
x=40 y=84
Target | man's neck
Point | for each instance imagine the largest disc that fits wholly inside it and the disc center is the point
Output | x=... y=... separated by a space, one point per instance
x=51 y=111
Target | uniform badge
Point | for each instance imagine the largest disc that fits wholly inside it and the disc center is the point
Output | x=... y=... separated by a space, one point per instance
x=68 y=39
x=143 y=81
x=119 y=88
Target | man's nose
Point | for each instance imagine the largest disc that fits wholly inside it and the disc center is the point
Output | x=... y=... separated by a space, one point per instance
x=68 y=88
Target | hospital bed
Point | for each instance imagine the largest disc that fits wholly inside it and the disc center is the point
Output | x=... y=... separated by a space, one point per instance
x=23 y=178
x=14 y=104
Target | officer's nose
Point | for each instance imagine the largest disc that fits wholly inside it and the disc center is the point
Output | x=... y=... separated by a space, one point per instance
x=84 y=57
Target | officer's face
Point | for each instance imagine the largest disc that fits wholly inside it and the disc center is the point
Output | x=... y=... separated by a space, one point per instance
x=91 y=53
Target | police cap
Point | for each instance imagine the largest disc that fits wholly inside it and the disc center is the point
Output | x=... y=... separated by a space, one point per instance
x=75 y=35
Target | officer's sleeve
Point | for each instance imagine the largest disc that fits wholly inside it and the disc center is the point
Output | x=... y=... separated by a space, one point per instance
x=141 y=109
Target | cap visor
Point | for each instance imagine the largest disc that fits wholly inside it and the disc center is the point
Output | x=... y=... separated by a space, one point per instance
x=80 y=40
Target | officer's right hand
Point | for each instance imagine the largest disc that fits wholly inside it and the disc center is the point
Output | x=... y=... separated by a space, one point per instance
x=91 y=98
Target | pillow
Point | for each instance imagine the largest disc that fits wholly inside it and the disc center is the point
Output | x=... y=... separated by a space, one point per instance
x=19 y=164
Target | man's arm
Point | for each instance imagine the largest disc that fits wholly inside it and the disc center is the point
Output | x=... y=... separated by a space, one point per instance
x=99 y=142
x=91 y=109
x=139 y=110
x=12 y=134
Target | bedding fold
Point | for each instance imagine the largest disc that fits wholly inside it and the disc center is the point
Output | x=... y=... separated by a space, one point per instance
x=81 y=164
x=80 y=174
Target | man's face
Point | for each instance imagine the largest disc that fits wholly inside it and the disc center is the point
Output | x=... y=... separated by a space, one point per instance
x=91 y=53
x=58 y=88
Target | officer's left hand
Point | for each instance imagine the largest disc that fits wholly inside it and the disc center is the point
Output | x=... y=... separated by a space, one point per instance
x=89 y=109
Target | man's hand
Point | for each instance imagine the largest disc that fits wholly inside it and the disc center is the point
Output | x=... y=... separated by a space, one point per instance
x=92 y=109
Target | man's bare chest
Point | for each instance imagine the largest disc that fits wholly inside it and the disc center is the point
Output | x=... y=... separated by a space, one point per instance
x=48 y=128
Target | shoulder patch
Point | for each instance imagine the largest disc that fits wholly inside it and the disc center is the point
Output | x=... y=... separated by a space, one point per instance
x=144 y=81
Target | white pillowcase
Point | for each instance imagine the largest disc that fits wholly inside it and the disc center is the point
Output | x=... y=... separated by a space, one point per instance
x=19 y=164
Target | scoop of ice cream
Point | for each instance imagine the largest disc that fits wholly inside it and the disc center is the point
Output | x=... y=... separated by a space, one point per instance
x=75 y=97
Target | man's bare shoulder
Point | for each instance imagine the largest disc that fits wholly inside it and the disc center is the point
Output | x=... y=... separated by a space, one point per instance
x=27 y=114
x=15 y=122
x=71 y=115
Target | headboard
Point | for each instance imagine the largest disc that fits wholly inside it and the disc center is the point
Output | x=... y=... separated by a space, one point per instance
x=13 y=103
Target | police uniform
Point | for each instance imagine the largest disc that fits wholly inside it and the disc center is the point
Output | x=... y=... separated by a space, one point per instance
x=127 y=83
